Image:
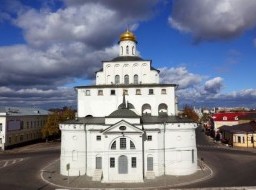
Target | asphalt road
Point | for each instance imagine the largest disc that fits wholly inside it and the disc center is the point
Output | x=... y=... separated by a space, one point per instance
x=20 y=169
x=231 y=167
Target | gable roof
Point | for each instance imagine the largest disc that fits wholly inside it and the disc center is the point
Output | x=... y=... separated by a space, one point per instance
x=249 y=127
x=234 y=116
x=229 y=116
x=113 y=128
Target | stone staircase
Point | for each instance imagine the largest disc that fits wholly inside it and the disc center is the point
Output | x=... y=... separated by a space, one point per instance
x=150 y=175
x=97 y=176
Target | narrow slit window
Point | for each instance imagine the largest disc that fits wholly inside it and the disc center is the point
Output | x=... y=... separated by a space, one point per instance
x=134 y=162
x=112 y=162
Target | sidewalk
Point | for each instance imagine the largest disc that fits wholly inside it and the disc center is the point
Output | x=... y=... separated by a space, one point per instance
x=35 y=147
x=50 y=174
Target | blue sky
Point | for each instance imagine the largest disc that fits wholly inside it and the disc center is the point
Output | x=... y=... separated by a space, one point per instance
x=206 y=46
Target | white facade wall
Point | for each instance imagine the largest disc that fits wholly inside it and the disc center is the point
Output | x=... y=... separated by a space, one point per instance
x=134 y=174
x=174 y=142
x=27 y=128
x=181 y=151
x=154 y=149
x=92 y=104
x=127 y=48
x=73 y=150
x=130 y=68
x=218 y=124
x=82 y=156
x=3 y=131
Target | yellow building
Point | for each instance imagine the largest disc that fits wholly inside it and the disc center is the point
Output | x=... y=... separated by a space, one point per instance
x=241 y=135
x=20 y=125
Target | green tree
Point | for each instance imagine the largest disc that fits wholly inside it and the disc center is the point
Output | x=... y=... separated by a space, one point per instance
x=190 y=113
x=57 y=116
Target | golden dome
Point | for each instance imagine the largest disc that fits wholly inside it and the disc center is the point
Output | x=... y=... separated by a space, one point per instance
x=128 y=36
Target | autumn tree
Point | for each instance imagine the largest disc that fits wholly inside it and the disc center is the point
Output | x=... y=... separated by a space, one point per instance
x=190 y=113
x=205 y=117
x=57 y=116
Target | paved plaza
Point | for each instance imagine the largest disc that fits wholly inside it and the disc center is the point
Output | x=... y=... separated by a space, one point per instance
x=51 y=175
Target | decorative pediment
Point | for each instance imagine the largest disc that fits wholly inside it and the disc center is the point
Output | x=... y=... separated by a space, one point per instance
x=122 y=127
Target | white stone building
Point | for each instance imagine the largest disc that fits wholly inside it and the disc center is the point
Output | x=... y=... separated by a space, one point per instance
x=20 y=125
x=127 y=127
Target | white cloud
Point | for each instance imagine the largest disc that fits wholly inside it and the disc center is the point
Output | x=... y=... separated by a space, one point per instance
x=82 y=24
x=213 y=19
x=58 y=64
x=214 y=85
x=202 y=91
x=90 y=22
x=62 y=45
x=61 y=96
x=180 y=76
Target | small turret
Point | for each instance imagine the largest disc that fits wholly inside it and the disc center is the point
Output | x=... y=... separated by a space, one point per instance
x=127 y=44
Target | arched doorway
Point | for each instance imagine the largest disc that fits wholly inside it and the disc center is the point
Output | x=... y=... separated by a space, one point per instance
x=150 y=163
x=98 y=162
x=122 y=165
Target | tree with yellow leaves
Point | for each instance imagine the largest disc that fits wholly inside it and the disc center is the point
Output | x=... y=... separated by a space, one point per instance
x=190 y=113
x=57 y=116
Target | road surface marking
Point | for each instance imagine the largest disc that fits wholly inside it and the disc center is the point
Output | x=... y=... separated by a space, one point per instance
x=10 y=162
x=5 y=164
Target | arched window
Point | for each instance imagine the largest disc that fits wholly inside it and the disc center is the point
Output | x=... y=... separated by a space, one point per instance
x=113 y=146
x=162 y=109
x=144 y=78
x=132 y=146
x=126 y=79
x=117 y=79
x=121 y=50
x=135 y=79
x=133 y=53
x=127 y=50
x=108 y=79
x=146 y=109
x=122 y=143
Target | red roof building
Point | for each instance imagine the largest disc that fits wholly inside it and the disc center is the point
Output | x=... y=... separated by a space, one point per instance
x=228 y=118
